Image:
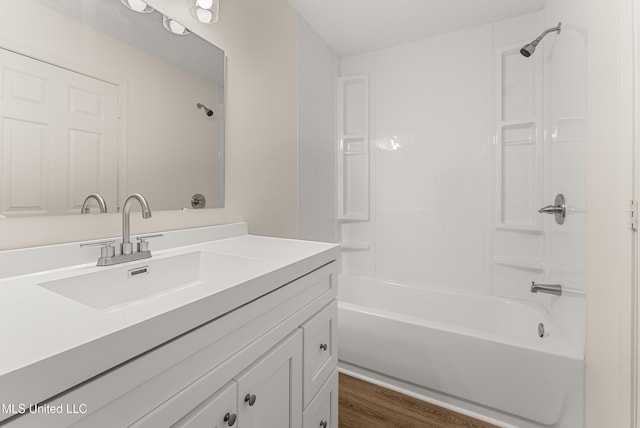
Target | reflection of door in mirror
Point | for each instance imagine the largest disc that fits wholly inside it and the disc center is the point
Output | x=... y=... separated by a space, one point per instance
x=167 y=148
x=59 y=138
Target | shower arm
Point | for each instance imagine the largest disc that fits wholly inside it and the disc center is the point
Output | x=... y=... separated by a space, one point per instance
x=545 y=32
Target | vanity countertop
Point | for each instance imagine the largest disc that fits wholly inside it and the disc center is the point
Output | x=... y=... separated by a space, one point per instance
x=51 y=342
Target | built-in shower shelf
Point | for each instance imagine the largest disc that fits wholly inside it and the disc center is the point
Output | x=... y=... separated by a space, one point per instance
x=355 y=246
x=349 y=137
x=518 y=123
x=519 y=263
x=352 y=220
x=518 y=142
x=353 y=150
x=520 y=228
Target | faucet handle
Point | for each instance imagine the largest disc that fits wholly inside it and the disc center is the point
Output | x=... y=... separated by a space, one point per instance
x=108 y=250
x=143 y=243
x=142 y=238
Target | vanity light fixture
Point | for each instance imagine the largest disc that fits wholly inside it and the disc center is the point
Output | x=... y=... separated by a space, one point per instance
x=174 y=26
x=137 y=6
x=206 y=11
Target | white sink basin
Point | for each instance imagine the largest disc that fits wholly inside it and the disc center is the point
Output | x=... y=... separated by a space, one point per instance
x=112 y=287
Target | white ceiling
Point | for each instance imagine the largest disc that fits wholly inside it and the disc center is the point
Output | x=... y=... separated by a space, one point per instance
x=355 y=26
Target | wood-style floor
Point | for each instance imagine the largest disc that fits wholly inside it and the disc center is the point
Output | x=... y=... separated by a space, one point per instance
x=365 y=405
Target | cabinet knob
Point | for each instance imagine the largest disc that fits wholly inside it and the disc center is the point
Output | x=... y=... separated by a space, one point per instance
x=230 y=418
x=323 y=424
x=251 y=399
x=323 y=346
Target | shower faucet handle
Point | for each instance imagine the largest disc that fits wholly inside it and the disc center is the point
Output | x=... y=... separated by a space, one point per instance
x=551 y=209
x=558 y=209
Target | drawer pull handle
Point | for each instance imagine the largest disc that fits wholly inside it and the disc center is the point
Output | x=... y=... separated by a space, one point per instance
x=230 y=418
x=251 y=399
x=323 y=346
x=323 y=424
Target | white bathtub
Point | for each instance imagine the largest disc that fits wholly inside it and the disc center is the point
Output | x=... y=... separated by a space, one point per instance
x=480 y=349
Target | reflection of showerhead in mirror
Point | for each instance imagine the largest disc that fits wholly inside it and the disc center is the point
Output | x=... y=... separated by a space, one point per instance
x=528 y=49
x=206 y=110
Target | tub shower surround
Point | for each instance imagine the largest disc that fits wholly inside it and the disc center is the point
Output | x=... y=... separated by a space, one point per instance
x=449 y=146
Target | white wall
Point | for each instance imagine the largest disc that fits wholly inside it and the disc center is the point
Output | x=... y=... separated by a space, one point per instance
x=171 y=148
x=609 y=166
x=429 y=131
x=260 y=40
x=317 y=71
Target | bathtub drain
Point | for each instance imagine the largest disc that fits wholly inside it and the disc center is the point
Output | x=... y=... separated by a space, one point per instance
x=541 y=330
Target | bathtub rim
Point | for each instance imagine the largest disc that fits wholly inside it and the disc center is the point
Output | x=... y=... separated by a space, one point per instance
x=567 y=349
x=444 y=290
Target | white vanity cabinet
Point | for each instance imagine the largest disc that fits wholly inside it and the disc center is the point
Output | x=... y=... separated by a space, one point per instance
x=219 y=410
x=269 y=362
x=266 y=394
x=270 y=390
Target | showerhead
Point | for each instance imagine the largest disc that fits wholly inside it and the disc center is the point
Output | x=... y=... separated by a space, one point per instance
x=528 y=49
x=208 y=111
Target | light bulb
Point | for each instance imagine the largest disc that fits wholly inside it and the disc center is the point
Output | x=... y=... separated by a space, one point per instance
x=205 y=11
x=203 y=15
x=204 y=4
x=174 y=26
x=137 y=6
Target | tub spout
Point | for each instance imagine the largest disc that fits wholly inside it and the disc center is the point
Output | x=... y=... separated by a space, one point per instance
x=546 y=288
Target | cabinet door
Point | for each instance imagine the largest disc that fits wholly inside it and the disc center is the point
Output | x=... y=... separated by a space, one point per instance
x=320 y=350
x=323 y=410
x=270 y=391
x=217 y=411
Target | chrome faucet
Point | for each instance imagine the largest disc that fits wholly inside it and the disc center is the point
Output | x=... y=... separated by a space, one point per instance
x=107 y=253
x=126 y=247
x=546 y=288
x=99 y=199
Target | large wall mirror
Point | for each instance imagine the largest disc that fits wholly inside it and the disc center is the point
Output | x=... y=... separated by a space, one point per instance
x=98 y=98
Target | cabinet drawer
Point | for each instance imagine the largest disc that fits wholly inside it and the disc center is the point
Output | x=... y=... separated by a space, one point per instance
x=217 y=411
x=203 y=404
x=320 y=355
x=323 y=410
